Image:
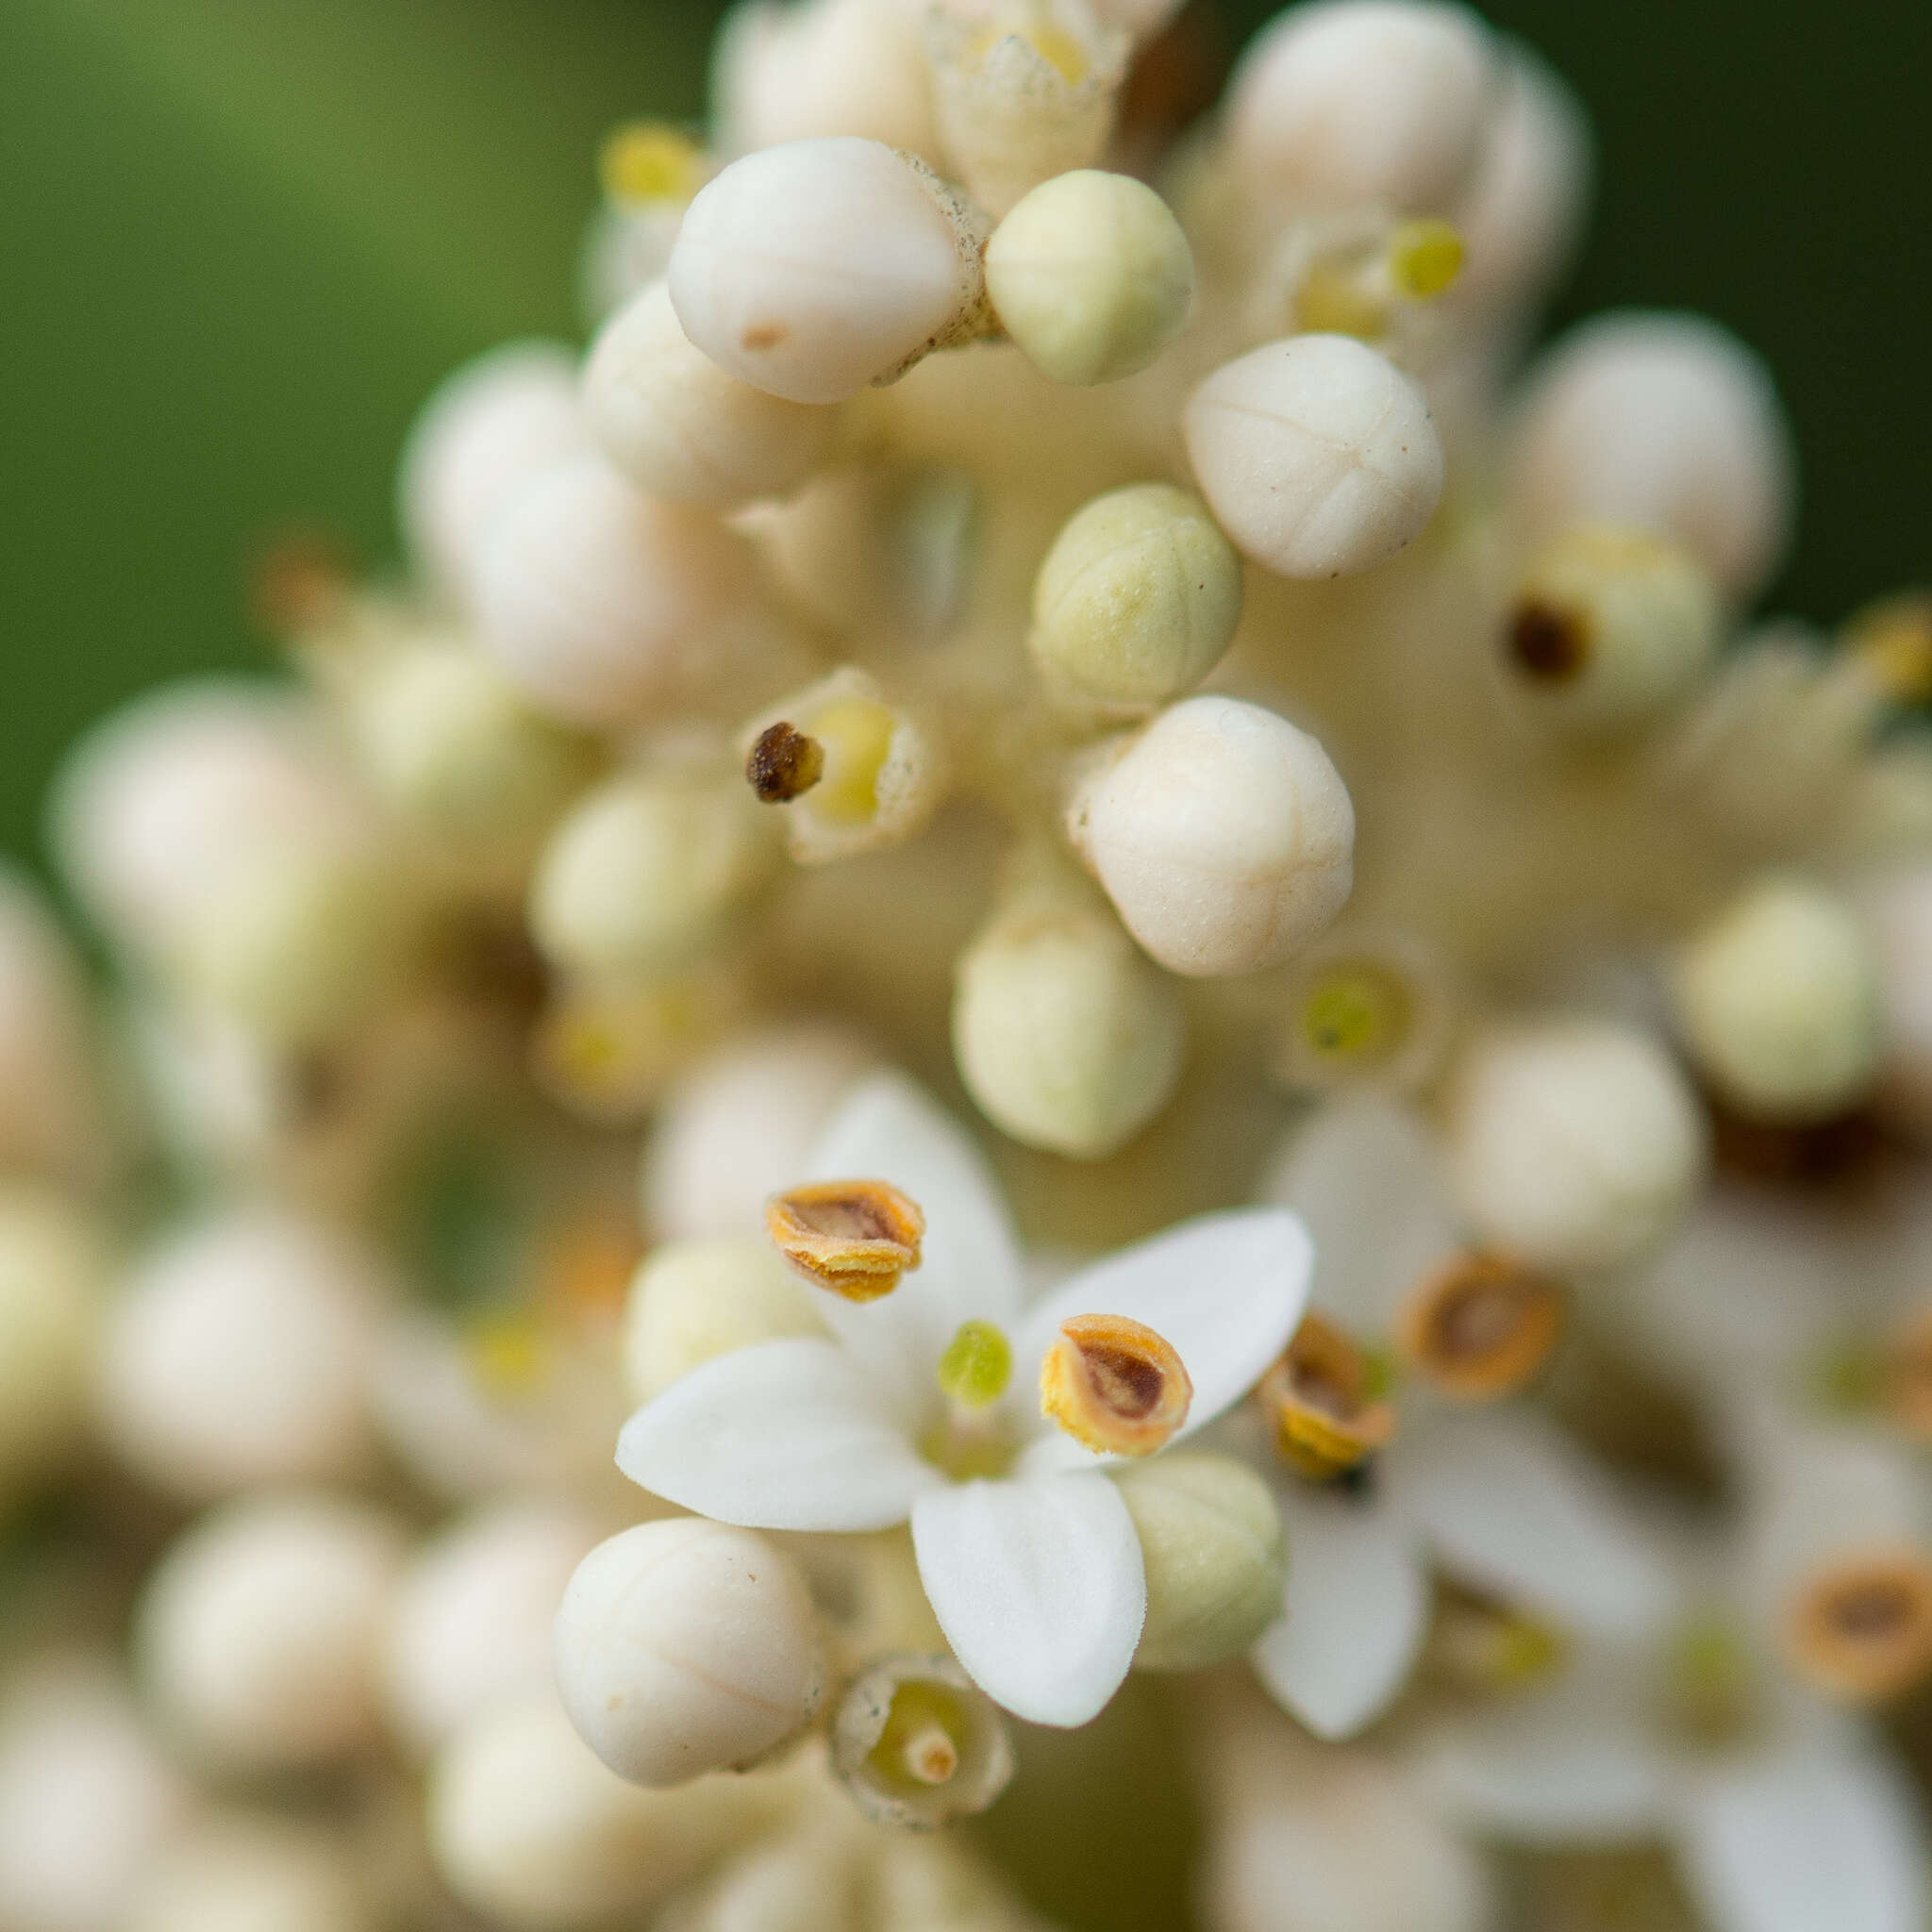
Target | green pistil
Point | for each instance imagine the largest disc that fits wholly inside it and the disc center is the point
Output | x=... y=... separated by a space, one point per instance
x=976 y=1366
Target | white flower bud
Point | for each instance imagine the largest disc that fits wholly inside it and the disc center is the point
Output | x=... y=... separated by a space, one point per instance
x=526 y=1828
x=679 y=426
x=1091 y=276
x=86 y=1797
x=1608 y=627
x=1356 y=103
x=815 y=268
x=471 y=1622
x=1222 y=835
x=238 y=1353
x=651 y=870
x=1023 y=90
x=50 y=1116
x=242 y=1873
x=741 y=1125
x=1777 y=1000
x=52 y=1269
x=258 y=1633
x=687 y=1646
x=485 y=430
x=918 y=1743
x=1138 y=599
x=1316 y=456
x=1064 y=1035
x=1666 y=423
x=801 y=1882
x=1211 y=1539
x=601 y=604
x=695 y=1299
x=1575 y=1144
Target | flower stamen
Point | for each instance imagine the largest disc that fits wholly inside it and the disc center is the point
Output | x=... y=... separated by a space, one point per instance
x=784 y=762
x=1862 y=1630
x=1114 y=1385
x=976 y=1366
x=1480 y=1327
x=856 y=1238
x=1321 y=1400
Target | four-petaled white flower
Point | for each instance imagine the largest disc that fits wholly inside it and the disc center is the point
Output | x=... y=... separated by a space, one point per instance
x=1034 y=1571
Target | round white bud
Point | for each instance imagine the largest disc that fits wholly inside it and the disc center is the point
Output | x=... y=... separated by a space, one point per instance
x=1362 y=102
x=1608 y=627
x=813 y=269
x=1090 y=276
x=241 y=1873
x=86 y=1797
x=1216 y=1557
x=258 y=1633
x=1222 y=835
x=471 y=1622
x=740 y=1125
x=1064 y=1035
x=600 y=603
x=1666 y=423
x=650 y=870
x=1316 y=454
x=1778 y=999
x=239 y=1353
x=488 y=428
x=686 y=1646
x=52 y=1269
x=1138 y=599
x=1897 y=907
x=695 y=1299
x=1577 y=1144
x=679 y=426
x=49 y=1107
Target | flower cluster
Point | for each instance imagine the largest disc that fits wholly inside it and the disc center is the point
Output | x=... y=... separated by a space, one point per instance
x=1124 y=956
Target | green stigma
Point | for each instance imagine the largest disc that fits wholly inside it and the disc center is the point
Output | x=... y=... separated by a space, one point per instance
x=976 y=1366
x=1356 y=1012
x=1424 y=257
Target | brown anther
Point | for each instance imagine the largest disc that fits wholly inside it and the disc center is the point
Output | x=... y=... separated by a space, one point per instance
x=784 y=762
x=1114 y=1385
x=1480 y=1327
x=1907 y=1379
x=1318 y=1400
x=1547 y=643
x=856 y=1238
x=1862 y=1629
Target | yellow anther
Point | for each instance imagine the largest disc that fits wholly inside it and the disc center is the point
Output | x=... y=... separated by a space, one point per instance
x=976 y=1366
x=1862 y=1628
x=856 y=1238
x=650 y=161
x=1114 y=1385
x=1321 y=1399
x=1480 y=1327
x=1425 y=259
x=1892 y=641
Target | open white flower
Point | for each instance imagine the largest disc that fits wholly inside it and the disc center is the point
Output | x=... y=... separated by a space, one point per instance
x=930 y=1406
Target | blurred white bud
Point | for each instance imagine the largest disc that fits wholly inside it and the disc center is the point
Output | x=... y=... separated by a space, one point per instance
x=1222 y=835
x=485 y=430
x=1577 y=1144
x=259 y=1632
x=687 y=1646
x=53 y=1269
x=1316 y=456
x=815 y=268
x=679 y=426
x=235 y=1873
x=1351 y=103
x=470 y=1621
x=1666 y=423
x=1777 y=1000
x=698 y=1298
x=239 y=1353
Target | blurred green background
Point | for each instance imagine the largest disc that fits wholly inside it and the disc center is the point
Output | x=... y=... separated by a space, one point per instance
x=240 y=239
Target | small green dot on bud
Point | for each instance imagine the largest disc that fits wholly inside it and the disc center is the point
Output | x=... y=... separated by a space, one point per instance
x=976 y=1366
x=1355 y=1013
x=1424 y=257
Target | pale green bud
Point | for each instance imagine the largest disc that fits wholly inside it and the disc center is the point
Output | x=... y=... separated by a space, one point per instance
x=696 y=1299
x=1778 y=999
x=1064 y=1035
x=1138 y=598
x=1091 y=276
x=1216 y=1557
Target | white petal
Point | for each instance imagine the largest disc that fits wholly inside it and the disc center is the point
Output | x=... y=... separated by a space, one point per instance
x=891 y=1129
x=1510 y=1505
x=1353 y=1613
x=1225 y=1290
x=1038 y=1586
x=783 y=1435
x=1806 y=1842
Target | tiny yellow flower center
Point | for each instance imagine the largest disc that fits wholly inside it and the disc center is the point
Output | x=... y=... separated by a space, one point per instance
x=647 y=161
x=1493 y=1649
x=1114 y=1385
x=922 y=1739
x=1355 y=1013
x=1322 y=1400
x=509 y=1353
x=976 y=1366
x=1425 y=259
x=855 y=735
x=856 y=1238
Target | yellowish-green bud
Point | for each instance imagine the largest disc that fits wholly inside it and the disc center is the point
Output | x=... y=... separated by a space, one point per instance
x=1216 y=1557
x=1091 y=276
x=1138 y=599
x=694 y=1300
x=1777 y=1000
x=976 y=1366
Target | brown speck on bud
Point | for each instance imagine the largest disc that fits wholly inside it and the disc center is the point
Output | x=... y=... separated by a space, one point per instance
x=1862 y=1629
x=1548 y=644
x=784 y=762
x=1114 y=1385
x=1480 y=1327
x=1321 y=1402
x=856 y=1238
